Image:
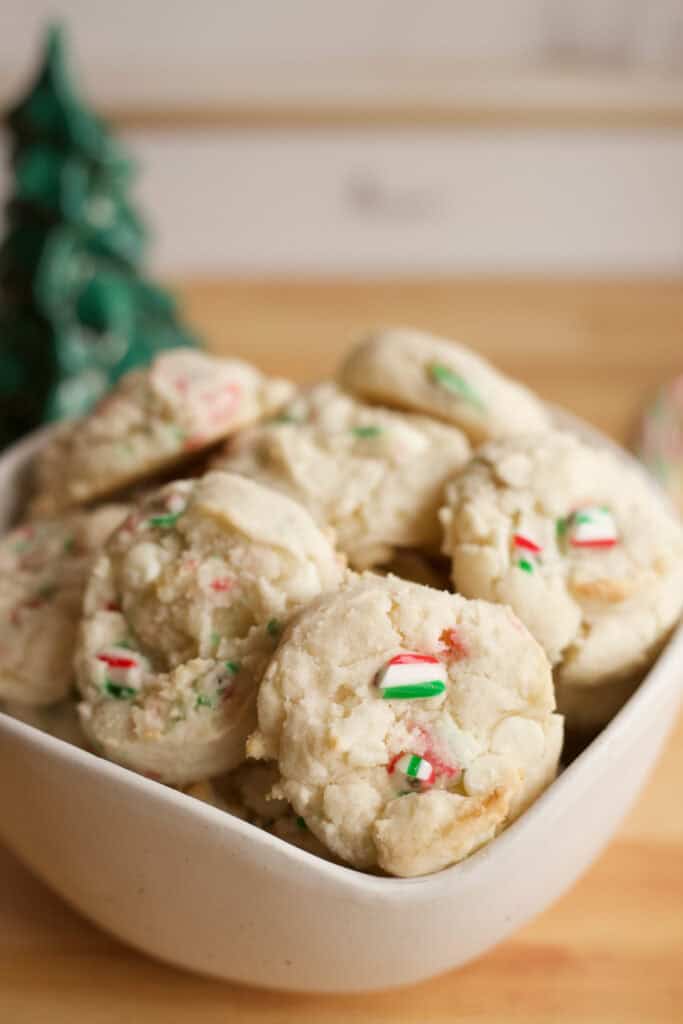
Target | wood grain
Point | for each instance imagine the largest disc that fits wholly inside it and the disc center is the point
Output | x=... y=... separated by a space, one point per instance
x=611 y=951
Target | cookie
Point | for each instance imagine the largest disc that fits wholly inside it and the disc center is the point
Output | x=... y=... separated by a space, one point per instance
x=153 y=420
x=578 y=544
x=44 y=567
x=413 y=370
x=376 y=477
x=181 y=613
x=409 y=725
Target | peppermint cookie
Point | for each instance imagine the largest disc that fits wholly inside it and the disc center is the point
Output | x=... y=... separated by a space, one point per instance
x=153 y=420
x=376 y=477
x=409 y=725
x=414 y=370
x=180 y=616
x=44 y=567
x=578 y=544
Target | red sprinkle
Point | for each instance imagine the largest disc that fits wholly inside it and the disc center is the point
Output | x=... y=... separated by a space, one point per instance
x=112 y=606
x=607 y=542
x=223 y=583
x=117 y=660
x=454 y=644
x=528 y=545
x=440 y=767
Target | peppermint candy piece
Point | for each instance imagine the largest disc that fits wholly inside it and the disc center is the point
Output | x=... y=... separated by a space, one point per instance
x=528 y=550
x=451 y=381
x=413 y=768
x=592 y=526
x=412 y=676
x=121 y=671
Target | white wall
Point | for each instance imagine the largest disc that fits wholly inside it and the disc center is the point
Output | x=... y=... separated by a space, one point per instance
x=410 y=199
x=166 y=53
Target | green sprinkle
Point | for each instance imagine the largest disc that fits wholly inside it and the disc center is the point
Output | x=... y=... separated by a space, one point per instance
x=233 y=666
x=166 y=521
x=69 y=544
x=369 y=431
x=453 y=382
x=430 y=688
x=582 y=517
x=203 y=701
x=413 y=765
x=273 y=627
x=301 y=823
x=561 y=527
x=119 y=692
x=523 y=563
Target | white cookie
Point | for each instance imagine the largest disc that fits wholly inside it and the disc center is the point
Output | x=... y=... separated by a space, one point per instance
x=152 y=420
x=44 y=567
x=180 y=615
x=421 y=372
x=578 y=544
x=376 y=477
x=409 y=725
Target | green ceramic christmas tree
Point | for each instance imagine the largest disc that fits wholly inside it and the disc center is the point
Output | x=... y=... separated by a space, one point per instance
x=75 y=310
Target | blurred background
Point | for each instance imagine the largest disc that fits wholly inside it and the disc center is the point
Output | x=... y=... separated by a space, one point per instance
x=387 y=136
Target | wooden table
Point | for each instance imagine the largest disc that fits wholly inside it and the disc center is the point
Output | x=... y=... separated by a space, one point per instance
x=611 y=951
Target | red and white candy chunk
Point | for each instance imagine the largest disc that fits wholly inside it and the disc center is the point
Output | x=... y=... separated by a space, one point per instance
x=411 y=676
x=592 y=527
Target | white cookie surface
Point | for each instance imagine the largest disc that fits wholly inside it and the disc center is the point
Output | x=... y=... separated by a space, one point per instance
x=154 y=418
x=44 y=567
x=578 y=544
x=409 y=725
x=414 y=370
x=180 y=615
x=376 y=477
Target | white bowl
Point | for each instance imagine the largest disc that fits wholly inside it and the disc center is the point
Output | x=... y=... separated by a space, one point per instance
x=196 y=887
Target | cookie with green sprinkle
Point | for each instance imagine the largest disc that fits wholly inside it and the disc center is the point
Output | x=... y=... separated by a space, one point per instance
x=420 y=372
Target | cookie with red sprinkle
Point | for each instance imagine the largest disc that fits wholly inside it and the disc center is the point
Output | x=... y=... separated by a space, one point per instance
x=409 y=725
x=44 y=567
x=153 y=421
x=181 y=613
x=584 y=550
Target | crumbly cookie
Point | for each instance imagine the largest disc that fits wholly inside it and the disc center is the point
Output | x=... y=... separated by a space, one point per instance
x=578 y=544
x=376 y=477
x=44 y=567
x=154 y=419
x=414 y=370
x=409 y=725
x=180 y=615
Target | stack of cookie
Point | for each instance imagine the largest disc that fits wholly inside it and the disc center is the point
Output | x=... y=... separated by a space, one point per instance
x=276 y=633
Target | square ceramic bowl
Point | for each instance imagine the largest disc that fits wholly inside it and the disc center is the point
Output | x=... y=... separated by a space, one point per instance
x=192 y=885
